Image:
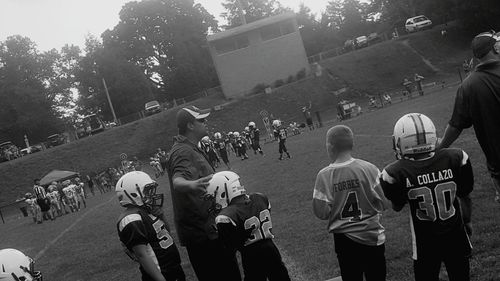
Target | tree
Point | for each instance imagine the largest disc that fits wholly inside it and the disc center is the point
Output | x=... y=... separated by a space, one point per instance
x=252 y=9
x=27 y=106
x=167 y=39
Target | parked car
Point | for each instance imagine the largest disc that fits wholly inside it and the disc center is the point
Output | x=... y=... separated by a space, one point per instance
x=32 y=149
x=8 y=151
x=55 y=140
x=152 y=107
x=361 y=42
x=417 y=23
x=94 y=124
x=374 y=38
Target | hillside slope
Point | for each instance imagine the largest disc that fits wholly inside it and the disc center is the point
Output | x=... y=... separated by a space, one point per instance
x=368 y=71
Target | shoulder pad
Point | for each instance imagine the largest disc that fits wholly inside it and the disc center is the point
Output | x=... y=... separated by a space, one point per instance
x=224 y=219
x=128 y=219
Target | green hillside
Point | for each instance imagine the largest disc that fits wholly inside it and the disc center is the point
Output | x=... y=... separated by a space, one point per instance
x=368 y=71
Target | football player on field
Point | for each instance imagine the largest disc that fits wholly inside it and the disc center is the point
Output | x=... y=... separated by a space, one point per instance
x=436 y=185
x=255 y=137
x=281 y=134
x=143 y=230
x=244 y=224
x=347 y=193
x=16 y=266
x=221 y=147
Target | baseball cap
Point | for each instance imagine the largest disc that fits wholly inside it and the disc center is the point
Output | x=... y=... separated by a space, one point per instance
x=189 y=114
x=483 y=43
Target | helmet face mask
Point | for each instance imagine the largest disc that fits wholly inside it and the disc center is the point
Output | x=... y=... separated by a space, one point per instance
x=151 y=198
x=136 y=188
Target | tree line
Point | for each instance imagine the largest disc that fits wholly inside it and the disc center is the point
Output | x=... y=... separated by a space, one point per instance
x=158 y=51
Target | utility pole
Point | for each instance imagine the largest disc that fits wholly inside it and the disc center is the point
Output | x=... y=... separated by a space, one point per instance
x=241 y=12
x=109 y=101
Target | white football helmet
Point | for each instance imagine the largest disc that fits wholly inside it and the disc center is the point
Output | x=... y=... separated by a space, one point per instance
x=247 y=129
x=138 y=189
x=16 y=266
x=236 y=134
x=276 y=123
x=217 y=135
x=222 y=188
x=251 y=124
x=414 y=133
x=205 y=140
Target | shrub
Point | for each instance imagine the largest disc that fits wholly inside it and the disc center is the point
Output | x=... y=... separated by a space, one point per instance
x=278 y=83
x=259 y=88
x=290 y=79
x=301 y=74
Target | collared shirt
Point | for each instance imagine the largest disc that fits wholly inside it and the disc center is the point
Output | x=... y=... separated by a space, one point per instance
x=193 y=222
x=478 y=104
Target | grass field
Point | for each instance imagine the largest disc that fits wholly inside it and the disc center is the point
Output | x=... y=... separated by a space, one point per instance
x=84 y=245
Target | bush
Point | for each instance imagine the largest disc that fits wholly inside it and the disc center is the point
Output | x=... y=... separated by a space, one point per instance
x=290 y=79
x=278 y=83
x=301 y=74
x=259 y=88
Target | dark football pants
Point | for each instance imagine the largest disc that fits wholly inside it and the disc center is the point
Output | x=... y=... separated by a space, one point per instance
x=263 y=262
x=282 y=147
x=206 y=259
x=356 y=260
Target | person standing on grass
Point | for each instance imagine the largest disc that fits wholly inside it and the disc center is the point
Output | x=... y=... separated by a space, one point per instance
x=436 y=185
x=418 y=83
x=477 y=104
x=42 y=200
x=306 y=110
x=347 y=194
x=189 y=173
x=90 y=184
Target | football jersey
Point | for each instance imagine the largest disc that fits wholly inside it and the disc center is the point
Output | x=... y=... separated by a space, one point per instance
x=282 y=134
x=250 y=220
x=431 y=187
x=138 y=227
x=69 y=191
x=349 y=196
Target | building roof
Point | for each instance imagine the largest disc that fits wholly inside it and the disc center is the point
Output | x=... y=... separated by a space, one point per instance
x=251 y=26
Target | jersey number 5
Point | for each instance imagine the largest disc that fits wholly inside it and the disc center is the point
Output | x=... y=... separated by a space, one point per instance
x=162 y=234
x=351 y=208
x=260 y=227
x=444 y=193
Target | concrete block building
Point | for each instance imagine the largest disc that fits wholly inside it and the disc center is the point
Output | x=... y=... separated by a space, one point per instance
x=259 y=52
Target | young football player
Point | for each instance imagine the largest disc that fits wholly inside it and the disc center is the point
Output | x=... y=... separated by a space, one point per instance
x=221 y=147
x=281 y=134
x=244 y=224
x=347 y=193
x=436 y=185
x=255 y=137
x=53 y=196
x=33 y=208
x=143 y=230
x=241 y=145
x=16 y=266
x=69 y=192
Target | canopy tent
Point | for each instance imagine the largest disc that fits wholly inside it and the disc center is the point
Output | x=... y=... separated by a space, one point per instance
x=57 y=175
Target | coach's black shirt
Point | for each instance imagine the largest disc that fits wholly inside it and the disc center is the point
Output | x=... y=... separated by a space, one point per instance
x=478 y=104
x=193 y=222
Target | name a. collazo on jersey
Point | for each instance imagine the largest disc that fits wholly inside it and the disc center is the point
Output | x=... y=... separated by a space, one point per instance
x=344 y=185
x=435 y=177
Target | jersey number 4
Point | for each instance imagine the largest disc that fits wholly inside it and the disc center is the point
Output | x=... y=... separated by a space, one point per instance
x=260 y=227
x=163 y=235
x=444 y=194
x=351 y=208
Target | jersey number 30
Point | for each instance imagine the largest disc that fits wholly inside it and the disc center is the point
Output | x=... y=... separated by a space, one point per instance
x=444 y=193
x=260 y=227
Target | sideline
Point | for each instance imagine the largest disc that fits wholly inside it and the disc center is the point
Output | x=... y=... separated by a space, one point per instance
x=53 y=241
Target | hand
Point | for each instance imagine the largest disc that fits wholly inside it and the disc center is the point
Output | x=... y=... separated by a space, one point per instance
x=201 y=183
x=468 y=228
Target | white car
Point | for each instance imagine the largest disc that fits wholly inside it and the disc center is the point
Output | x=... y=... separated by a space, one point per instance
x=417 y=23
x=152 y=107
x=361 y=41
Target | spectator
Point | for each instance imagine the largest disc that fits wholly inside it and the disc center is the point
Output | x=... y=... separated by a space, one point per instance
x=306 y=110
x=418 y=83
x=90 y=183
x=477 y=104
x=162 y=155
x=189 y=173
x=407 y=84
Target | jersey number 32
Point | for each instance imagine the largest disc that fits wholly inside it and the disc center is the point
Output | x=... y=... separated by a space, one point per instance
x=260 y=227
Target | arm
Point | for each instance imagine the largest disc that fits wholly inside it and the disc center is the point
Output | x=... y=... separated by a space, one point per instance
x=183 y=185
x=465 y=185
x=322 y=206
x=140 y=252
x=227 y=233
x=394 y=192
x=450 y=135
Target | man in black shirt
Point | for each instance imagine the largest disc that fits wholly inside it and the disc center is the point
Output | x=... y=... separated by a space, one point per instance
x=189 y=172
x=477 y=104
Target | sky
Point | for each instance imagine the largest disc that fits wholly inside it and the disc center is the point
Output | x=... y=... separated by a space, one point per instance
x=54 y=23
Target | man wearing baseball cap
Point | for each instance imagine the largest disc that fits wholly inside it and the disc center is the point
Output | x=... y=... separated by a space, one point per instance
x=477 y=104
x=189 y=172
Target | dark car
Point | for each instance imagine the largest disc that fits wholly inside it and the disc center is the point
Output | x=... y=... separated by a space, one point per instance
x=93 y=124
x=374 y=38
x=55 y=140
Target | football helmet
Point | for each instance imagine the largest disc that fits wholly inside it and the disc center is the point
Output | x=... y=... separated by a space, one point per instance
x=236 y=134
x=16 y=266
x=247 y=129
x=138 y=189
x=205 y=140
x=251 y=124
x=414 y=133
x=217 y=135
x=222 y=188
x=276 y=123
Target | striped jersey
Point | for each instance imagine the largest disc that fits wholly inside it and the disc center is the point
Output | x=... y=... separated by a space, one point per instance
x=39 y=191
x=349 y=196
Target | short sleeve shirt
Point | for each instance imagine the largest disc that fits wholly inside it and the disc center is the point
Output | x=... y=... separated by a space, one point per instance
x=477 y=104
x=193 y=222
